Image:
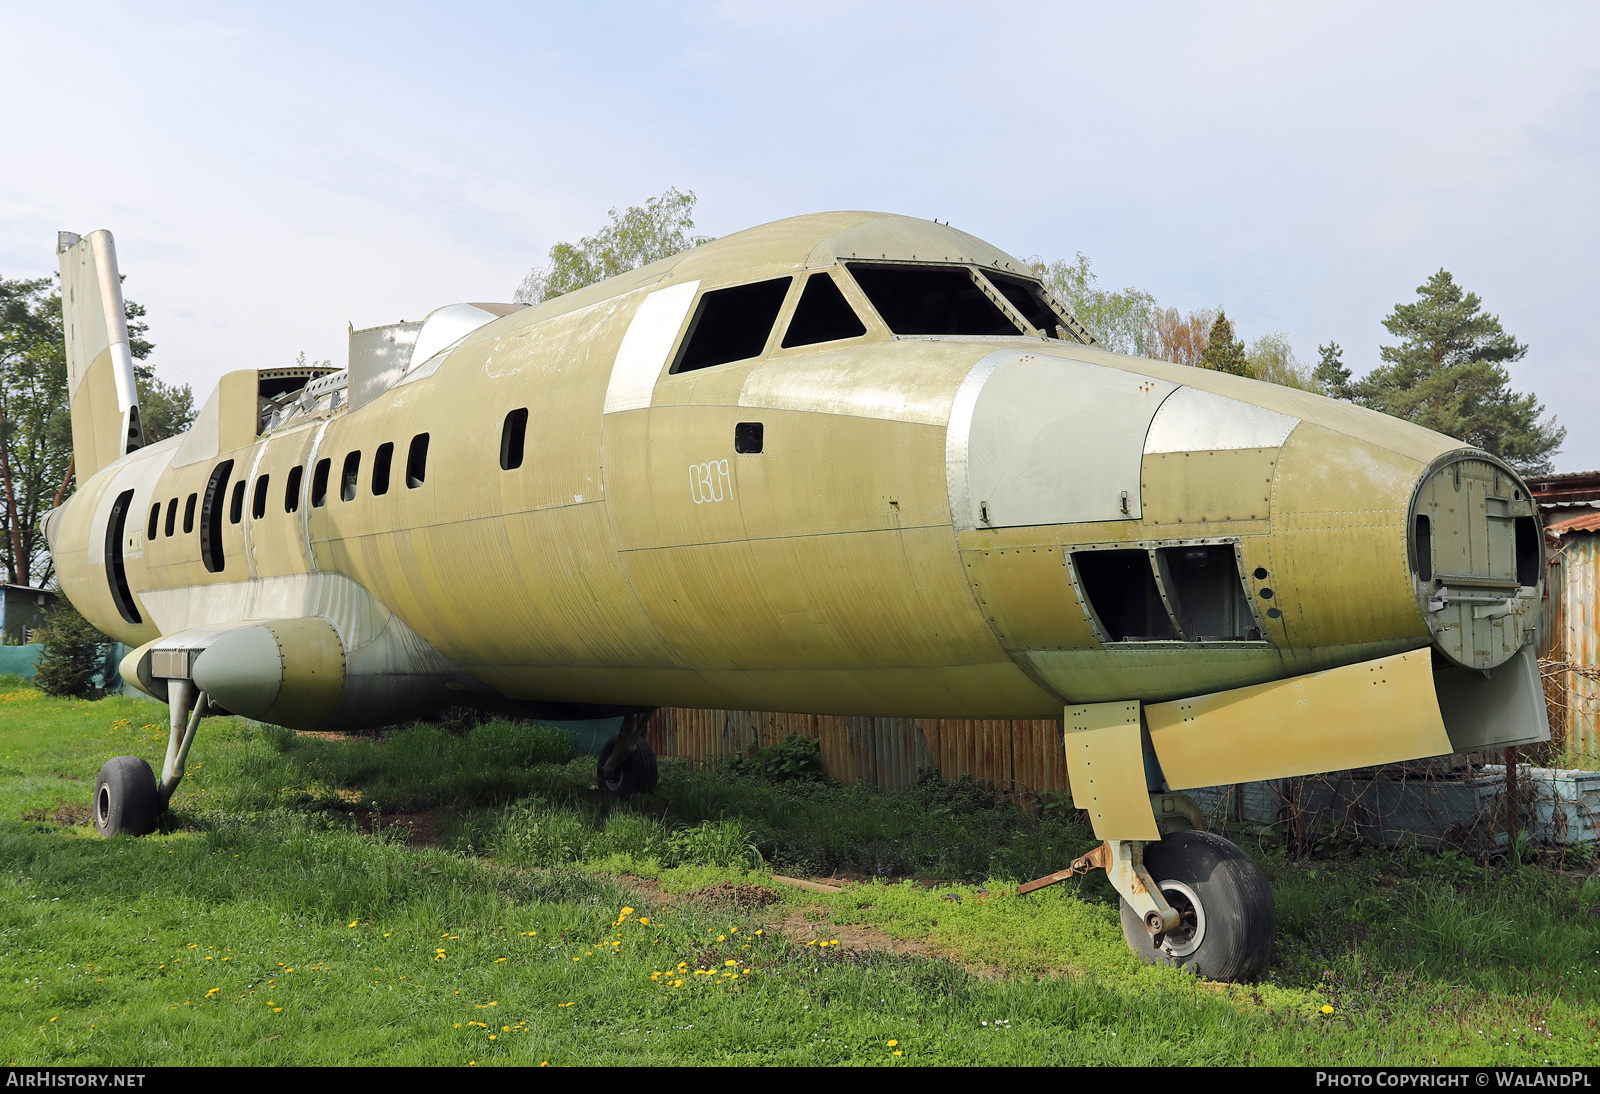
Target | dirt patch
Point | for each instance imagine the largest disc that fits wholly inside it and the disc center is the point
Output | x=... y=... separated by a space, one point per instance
x=743 y=896
x=799 y=928
x=423 y=826
x=63 y=813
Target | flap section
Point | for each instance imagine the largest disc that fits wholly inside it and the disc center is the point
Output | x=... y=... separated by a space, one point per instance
x=1374 y=712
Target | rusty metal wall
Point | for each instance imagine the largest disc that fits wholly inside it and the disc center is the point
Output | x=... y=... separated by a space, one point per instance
x=1572 y=668
x=1022 y=758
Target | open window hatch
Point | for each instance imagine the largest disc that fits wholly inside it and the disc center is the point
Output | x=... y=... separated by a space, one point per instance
x=1189 y=592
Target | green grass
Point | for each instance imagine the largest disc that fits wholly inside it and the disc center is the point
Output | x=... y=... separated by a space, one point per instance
x=279 y=916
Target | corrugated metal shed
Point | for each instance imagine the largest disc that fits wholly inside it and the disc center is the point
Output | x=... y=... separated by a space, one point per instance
x=1022 y=758
x=1572 y=665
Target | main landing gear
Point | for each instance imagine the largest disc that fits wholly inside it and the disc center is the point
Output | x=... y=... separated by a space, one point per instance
x=627 y=763
x=1191 y=900
x=127 y=798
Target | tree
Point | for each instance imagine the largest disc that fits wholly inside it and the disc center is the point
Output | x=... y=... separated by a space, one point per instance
x=1330 y=374
x=1448 y=374
x=74 y=652
x=1121 y=321
x=1180 y=338
x=1271 y=358
x=36 y=424
x=635 y=238
x=1224 y=352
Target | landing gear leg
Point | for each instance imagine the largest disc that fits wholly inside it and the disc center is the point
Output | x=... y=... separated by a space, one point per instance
x=627 y=762
x=127 y=798
x=1226 y=919
x=185 y=709
x=1191 y=900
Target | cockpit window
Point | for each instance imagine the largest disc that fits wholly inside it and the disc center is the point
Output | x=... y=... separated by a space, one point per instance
x=732 y=324
x=823 y=315
x=1027 y=298
x=930 y=300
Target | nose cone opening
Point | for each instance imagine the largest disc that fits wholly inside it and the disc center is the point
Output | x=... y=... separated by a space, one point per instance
x=1477 y=557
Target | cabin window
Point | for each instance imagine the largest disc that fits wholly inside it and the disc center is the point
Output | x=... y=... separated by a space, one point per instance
x=930 y=300
x=211 y=517
x=258 y=500
x=1028 y=299
x=1206 y=593
x=1422 y=544
x=512 y=436
x=188 y=513
x=319 y=484
x=155 y=521
x=1530 y=553
x=236 y=506
x=172 y=517
x=823 y=315
x=116 y=572
x=1121 y=588
x=291 y=490
x=349 y=476
x=381 y=461
x=748 y=438
x=732 y=324
x=417 y=461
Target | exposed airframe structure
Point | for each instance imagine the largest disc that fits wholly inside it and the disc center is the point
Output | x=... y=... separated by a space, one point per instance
x=847 y=463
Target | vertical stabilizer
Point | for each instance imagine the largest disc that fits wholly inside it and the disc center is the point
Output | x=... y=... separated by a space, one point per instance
x=100 y=381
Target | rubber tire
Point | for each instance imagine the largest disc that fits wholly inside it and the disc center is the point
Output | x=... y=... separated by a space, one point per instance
x=1235 y=897
x=125 y=798
x=638 y=773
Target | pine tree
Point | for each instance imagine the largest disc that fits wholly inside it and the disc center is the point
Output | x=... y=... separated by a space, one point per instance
x=74 y=652
x=1448 y=374
x=1223 y=351
x=1331 y=373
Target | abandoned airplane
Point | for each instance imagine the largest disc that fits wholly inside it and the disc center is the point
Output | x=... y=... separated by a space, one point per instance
x=846 y=463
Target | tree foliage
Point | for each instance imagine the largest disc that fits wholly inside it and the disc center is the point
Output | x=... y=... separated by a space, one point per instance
x=1122 y=321
x=637 y=237
x=1448 y=373
x=74 y=652
x=1330 y=375
x=1224 y=352
x=36 y=424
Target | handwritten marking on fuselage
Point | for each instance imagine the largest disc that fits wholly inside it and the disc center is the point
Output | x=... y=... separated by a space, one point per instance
x=709 y=482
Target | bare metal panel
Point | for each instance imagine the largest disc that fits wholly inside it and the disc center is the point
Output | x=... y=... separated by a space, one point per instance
x=1191 y=420
x=378 y=358
x=643 y=352
x=1036 y=439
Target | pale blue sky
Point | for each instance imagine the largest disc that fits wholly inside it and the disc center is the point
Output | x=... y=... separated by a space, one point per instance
x=274 y=172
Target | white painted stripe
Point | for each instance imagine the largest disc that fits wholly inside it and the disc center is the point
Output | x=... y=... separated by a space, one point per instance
x=645 y=346
x=1191 y=420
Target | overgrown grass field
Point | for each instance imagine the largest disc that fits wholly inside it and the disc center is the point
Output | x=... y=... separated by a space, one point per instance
x=430 y=897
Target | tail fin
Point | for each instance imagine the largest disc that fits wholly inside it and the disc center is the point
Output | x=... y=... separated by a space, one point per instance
x=100 y=382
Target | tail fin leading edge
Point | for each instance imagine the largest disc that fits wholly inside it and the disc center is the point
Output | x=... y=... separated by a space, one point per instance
x=100 y=382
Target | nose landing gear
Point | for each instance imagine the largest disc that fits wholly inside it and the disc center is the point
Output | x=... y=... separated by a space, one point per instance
x=1226 y=918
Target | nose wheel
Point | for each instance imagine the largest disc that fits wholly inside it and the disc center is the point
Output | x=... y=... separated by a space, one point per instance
x=1226 y=918
x=627 y=763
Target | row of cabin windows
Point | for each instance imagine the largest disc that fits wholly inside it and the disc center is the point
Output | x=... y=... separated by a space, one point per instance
x=217 y=488
x=733 y=324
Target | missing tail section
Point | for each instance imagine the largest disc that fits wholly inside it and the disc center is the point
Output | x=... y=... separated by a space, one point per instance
x=100 y=380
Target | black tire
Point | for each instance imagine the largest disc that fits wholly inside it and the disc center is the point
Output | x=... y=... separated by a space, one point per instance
x=1221 y=895
x=635 y=775
x=125 y=798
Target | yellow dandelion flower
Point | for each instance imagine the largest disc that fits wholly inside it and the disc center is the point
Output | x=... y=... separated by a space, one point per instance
x=494 y=1036
x=891 y=1044
x=1327 y=1010
x=645 y=920
x=627 y=911
x=353 y=922
x=897 y=1052
x=730 y=962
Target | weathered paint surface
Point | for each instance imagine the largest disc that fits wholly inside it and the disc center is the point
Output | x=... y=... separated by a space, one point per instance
x=1572 y=671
